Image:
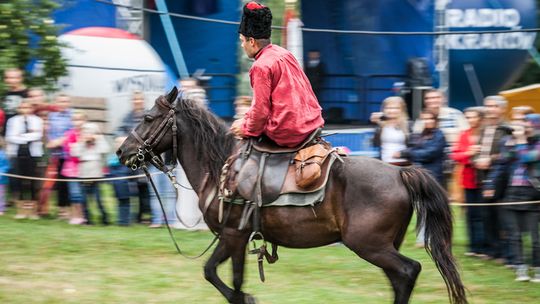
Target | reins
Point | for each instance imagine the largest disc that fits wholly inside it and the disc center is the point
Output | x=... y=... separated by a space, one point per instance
x=216 y=236
x=147 y=146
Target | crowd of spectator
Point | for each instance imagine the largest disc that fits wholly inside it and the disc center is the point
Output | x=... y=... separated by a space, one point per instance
x=494 y=161
x=58 y=142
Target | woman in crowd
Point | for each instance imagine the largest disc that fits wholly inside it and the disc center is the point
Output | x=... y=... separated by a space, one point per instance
x=392 y=132
x=520 y=156
x=426 y=150
x=463 y=152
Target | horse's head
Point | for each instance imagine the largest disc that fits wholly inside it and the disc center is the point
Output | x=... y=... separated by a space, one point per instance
x=153 y=135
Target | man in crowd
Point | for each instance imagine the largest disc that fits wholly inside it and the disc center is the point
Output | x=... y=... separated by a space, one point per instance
x=315 y=72
x=193 y=91
x=495 y=129
x=57 y=124
x=16 y=92
x=451 y=122
x=130 y=121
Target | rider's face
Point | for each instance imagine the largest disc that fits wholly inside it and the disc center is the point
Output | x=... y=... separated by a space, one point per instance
x=248 y=44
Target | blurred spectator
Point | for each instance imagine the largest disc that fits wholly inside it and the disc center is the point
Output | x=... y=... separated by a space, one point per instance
x=38 y=100
x=58 y=124
x=24 y=133
x=4 y=166
x=193 y=91
x=393 y=130
x=242 y=105
x=120 y=186
x=463 y=153
x=70 y=169
x=130 y=121
x=520 y=155
x=495 y=129
x=518 y=113
x=315 y=72
x=91 y=149
x=427 y=151
x=452 y=123
x=168 y=195
x=16 y=92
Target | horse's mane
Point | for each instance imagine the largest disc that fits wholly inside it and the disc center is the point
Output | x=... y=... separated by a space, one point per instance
x=214 y=141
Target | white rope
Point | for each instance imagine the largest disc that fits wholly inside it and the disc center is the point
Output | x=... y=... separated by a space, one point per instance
x=496 y=204
x=317 y=30
x=76 y=179
x=155 y=173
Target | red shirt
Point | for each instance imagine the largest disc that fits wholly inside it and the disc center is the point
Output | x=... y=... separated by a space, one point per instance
x=284 y=107
x=468 y=180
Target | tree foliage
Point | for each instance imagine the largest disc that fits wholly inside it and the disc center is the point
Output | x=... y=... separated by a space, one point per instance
x=531 y=74
x=28 y=35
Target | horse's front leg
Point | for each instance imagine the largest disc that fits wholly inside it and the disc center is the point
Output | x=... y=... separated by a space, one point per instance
x=232 y=244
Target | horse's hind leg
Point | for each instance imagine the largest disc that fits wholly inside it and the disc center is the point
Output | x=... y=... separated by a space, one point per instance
x=233 y=245
x=400 y=270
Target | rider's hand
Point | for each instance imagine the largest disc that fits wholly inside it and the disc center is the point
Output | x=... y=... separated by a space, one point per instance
x=236 y=127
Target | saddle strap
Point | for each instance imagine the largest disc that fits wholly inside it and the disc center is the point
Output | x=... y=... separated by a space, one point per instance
x=259 y=178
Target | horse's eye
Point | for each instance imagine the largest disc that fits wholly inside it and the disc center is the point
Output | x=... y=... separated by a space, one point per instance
x=148 y=118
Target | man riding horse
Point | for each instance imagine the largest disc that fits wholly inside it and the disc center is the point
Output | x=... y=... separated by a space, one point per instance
x=284 y=107
x=368 y=213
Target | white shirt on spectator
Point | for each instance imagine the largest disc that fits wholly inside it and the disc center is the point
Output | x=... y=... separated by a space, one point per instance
x=16 y=135
x=392 y=140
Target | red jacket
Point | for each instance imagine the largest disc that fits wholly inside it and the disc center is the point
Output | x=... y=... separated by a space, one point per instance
x=284 y=107
x=459 y=151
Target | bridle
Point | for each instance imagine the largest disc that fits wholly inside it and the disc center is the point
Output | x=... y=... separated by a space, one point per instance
x=147 y=146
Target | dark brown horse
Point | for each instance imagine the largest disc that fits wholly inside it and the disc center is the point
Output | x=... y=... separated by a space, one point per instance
x=368 y=204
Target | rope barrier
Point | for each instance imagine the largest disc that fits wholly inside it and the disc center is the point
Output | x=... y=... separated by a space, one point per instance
x=155 y=173
x=76 y=179
x=318 y=30
x=496 y=204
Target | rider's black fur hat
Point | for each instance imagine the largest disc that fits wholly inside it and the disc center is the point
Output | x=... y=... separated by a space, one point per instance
x=256 y=21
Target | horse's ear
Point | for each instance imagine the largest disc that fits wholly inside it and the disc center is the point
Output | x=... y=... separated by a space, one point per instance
x=171 y=97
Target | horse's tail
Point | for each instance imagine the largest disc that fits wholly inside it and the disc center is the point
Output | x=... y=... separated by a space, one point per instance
x=431 y=203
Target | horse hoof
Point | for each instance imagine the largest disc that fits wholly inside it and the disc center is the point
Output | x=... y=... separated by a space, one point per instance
x=249 y=299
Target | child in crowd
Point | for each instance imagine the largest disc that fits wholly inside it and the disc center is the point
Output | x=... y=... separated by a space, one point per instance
x=4 y=167
x=91 y=148
x=70 y=169
x=24 y=133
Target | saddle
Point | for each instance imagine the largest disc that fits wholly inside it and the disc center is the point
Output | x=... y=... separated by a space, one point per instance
x=262 y=171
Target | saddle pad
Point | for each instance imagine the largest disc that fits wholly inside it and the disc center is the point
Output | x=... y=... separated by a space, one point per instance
x=292 y=199
x=298 y=199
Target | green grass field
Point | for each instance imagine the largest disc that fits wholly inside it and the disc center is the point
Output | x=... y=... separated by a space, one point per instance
x=49 y=261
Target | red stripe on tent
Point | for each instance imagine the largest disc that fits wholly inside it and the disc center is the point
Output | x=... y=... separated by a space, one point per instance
x=105 y=32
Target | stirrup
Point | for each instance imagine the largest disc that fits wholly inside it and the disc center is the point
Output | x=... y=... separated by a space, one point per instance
x=255 y=235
